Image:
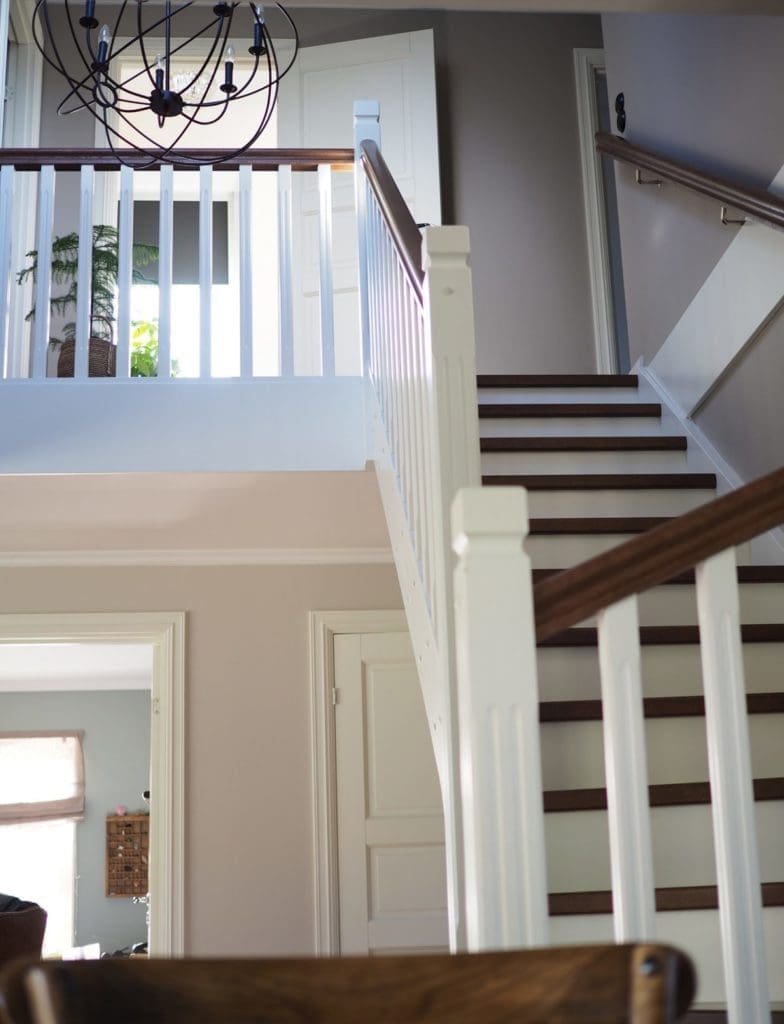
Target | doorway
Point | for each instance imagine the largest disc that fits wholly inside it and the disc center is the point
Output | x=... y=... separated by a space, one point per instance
x=159 y=639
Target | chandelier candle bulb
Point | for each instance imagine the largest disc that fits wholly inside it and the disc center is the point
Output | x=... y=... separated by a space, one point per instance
x=159 y=72
x=103 y=48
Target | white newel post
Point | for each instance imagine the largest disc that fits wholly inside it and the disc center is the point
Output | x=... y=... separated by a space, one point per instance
x=367 y=126
x=450 y=346
x=626 y=773
x=732 y=794
x=498 y=711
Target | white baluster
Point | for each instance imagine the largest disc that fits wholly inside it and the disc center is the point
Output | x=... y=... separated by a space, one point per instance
x=43 y=278
x=124 y=272
x=498 y=713
x=732 y=796
x=84 y=273
x=205 y=271
x=6 y=239
x=631 y=857
x=246 y=270
x=366 y=128
x=325 y=268
x=165 y=268
x=286 y=276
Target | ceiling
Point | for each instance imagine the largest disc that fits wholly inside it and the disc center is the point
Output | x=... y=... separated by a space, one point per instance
x=562 y=6
x=38 y=667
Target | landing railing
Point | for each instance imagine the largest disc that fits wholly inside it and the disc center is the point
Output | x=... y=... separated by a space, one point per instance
x=493 y=566
x=18 y=203
x=418 y=324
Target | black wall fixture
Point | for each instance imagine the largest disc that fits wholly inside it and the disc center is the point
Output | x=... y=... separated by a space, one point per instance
x=620 y=112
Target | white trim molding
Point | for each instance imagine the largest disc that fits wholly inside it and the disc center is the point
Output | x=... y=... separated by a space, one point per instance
x=586 y=62
x=324 y=627
x=194 y=556
x=165 y=633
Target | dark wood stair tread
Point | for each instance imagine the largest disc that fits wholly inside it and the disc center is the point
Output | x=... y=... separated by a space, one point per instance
x=652 y=636
x=548 y=526
x=675 y=794
x=567 y=410
x=641 y=443
x=604 y=481
x=556 y=380
x=690 y=897
x=654 y=707
x=746 y=574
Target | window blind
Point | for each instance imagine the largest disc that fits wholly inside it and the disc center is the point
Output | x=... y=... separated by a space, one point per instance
x=41 y=776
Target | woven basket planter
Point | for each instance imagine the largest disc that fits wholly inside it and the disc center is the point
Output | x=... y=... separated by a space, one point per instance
x=102 y=360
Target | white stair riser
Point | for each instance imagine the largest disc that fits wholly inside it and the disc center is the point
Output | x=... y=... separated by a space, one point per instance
x=559 y=551
x=697 y=932
x=667 y=671
x=507 y=463
x=654 y=502
x=532 y=396
x=677 y=605
x=572 y=752
x=589 y=426
x=683 y=851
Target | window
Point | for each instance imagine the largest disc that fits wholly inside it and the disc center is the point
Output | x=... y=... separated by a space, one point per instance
x=41 y=798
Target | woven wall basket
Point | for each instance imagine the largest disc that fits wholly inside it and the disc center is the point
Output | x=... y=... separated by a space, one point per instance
x=102 y=361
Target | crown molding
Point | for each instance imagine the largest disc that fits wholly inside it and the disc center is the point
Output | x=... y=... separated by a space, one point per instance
x=194 y=557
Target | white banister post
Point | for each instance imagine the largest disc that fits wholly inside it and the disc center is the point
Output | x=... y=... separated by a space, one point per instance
x=165 y=270
x=732 y=794
x=498 y=712
x=626 y=773
x=451 y=396
x=124 y=272
x=326 y=299
x=205 y=271
x=285 y=262
x=84 y=284
x=43 y=276
x=367 y=126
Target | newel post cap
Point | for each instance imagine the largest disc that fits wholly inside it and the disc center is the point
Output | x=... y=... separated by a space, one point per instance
x=489 y=513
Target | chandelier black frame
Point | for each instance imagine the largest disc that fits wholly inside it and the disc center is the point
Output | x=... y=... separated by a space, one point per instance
x=93 y=87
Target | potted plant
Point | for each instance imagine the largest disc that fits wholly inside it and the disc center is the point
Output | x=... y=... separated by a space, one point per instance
x=65 y=257
x=144 y=349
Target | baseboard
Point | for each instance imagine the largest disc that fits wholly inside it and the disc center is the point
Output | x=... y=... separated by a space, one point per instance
x=769 y=548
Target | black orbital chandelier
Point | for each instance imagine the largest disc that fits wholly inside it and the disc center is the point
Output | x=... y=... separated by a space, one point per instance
x=89 y=62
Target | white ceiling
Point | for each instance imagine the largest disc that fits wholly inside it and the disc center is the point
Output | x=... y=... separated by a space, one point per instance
x=38 y=667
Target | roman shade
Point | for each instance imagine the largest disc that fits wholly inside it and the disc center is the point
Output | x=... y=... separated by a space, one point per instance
x=41 y=776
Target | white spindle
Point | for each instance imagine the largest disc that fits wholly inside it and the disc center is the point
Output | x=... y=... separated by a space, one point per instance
x=124 y=272
x=205 y=271
x=732 y=796
x=366 y=127
x=84 y=273
x=631 y=857
x=6 y=239
x=246 y=270
x=43 y=282
x=165 y=269
x=498 y=712
x=5 y=23
x=325 y=268
x=285 y=263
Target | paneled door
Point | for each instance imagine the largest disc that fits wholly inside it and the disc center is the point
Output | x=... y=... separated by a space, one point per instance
x=392 y=870
x=316 y=109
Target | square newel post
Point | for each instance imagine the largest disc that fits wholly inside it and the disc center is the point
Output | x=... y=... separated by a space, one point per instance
x=498 y=714
x=367 y=126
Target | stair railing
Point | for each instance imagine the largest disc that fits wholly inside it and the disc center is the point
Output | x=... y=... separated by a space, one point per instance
x=17 y=237
x=488 y=538
x=417 y=315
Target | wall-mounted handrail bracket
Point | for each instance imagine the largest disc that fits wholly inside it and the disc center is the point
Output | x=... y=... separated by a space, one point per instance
x=732 y=220
x=646 y=181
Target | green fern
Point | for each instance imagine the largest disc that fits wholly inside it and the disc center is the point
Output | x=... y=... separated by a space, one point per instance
x=65 y=262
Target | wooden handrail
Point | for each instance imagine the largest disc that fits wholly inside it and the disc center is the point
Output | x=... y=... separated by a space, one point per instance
x=400 y=222
x=759 y=203
x=658 y=555
x=105 y=160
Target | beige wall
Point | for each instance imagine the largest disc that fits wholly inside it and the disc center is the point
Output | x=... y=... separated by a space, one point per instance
x=249 y=869
x=510 y=168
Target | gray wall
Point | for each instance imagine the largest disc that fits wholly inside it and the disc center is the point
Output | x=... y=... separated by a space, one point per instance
x=510 y=168
x=706 y=90
x=116 y=728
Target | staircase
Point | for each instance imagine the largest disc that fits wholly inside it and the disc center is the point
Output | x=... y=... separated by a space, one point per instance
x=600 y=464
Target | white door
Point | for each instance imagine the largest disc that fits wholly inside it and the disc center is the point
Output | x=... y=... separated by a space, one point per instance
x=392 y=868
x=315 y=109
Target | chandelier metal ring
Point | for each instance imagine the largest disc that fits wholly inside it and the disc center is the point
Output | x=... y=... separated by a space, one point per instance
x=96 y=84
